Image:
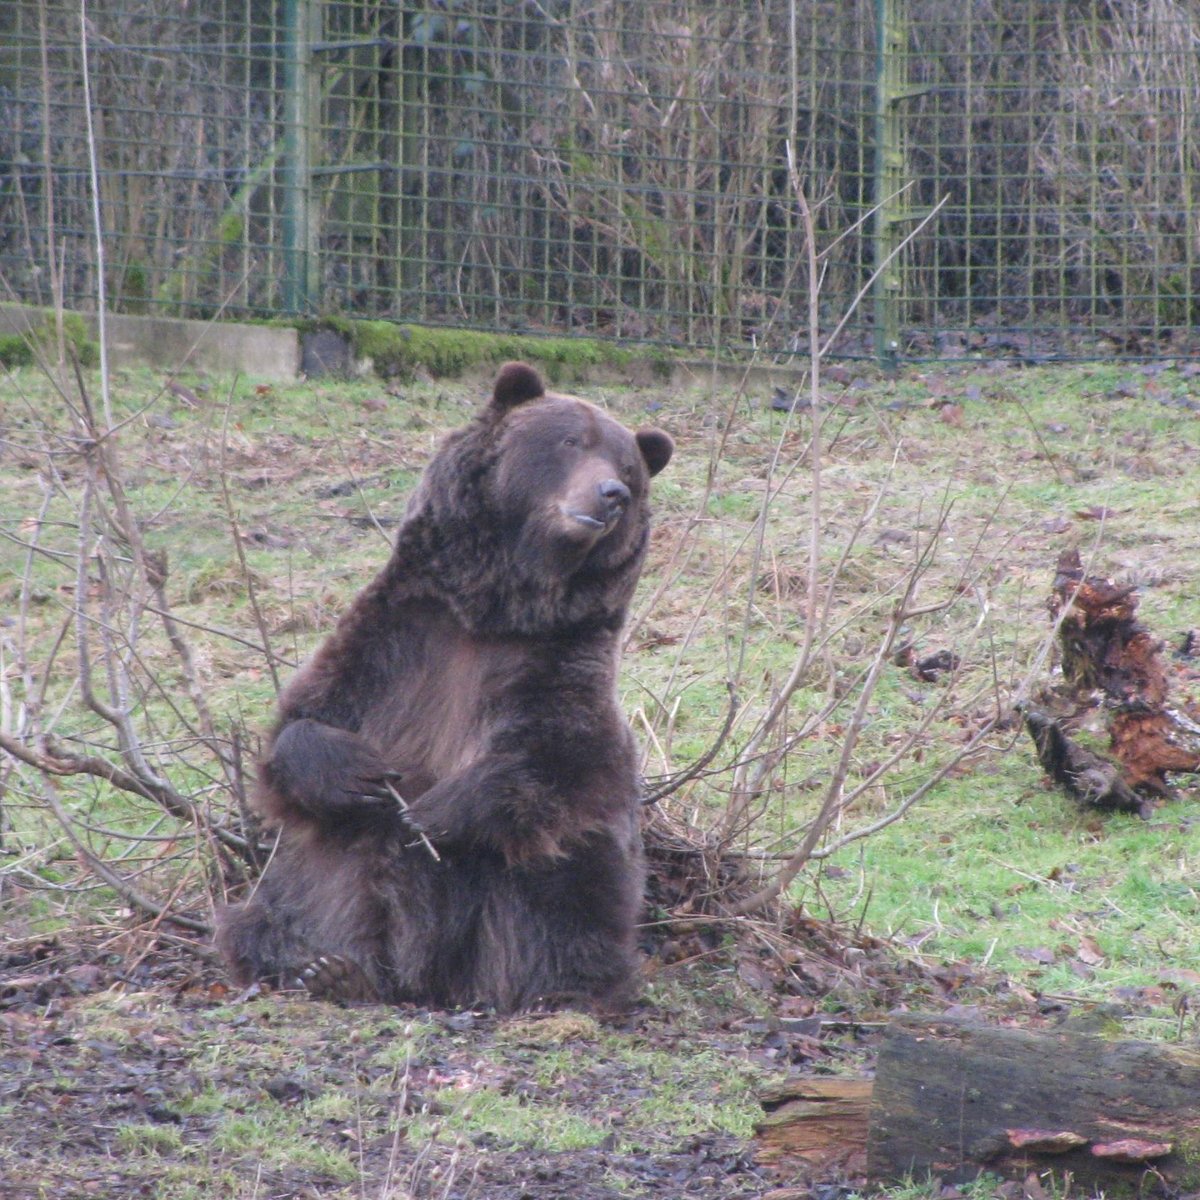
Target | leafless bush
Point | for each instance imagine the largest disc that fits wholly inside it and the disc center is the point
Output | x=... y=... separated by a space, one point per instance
x=756 y=812
x=665 y=157
x=105 y=686
x=799 y=773
x=1059 y=131
x=186 y=131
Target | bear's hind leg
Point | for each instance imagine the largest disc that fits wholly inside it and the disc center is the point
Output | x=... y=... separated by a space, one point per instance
x=256 y=946
x=335 y=978
x=313 y=902
x=564 y=935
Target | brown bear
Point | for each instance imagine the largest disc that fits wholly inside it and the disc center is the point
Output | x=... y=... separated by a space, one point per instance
x=455 y=786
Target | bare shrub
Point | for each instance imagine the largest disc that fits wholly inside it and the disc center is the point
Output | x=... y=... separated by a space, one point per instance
x=106 y=687
x=186 y=137
x=755 y=812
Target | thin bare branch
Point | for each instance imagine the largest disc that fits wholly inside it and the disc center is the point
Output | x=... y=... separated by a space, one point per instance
x=260 y=621
x=103 y=871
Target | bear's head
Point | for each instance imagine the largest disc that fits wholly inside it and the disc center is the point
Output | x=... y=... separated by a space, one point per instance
x=535 y=517
x=570 y=483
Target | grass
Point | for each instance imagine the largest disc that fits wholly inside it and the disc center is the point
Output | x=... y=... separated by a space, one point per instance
x=1013 y=874
x=991 y=868
x=151 y=1140
x=1031 y=450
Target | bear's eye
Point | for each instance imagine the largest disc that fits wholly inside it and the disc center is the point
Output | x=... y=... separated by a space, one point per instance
x=571 y=441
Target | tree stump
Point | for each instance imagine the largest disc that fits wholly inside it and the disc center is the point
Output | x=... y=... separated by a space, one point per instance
x=954 y=1099
x=1107 y=652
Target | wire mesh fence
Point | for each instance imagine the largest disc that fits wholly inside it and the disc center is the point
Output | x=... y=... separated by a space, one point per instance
x=186 y=121
x=619 y=169
x=1066 y=138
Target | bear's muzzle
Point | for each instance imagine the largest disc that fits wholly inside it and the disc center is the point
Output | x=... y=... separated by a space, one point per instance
x=612 y=499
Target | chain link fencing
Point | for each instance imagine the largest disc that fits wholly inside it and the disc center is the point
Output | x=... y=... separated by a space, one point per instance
x=619 y=169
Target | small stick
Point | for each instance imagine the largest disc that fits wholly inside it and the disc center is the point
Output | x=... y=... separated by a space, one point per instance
x=399 y=799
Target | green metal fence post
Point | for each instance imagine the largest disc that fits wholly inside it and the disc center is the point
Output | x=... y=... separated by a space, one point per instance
x=301 y=27
x=889 y=178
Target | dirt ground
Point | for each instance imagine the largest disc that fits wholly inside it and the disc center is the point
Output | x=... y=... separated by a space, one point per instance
x=127 y=1069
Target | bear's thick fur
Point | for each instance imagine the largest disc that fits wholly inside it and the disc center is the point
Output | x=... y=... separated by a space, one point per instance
x=476 y=677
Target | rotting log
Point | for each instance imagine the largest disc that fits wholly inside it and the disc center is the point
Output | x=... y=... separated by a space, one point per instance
x=1106 y=649
x=955 y=1098
x=818 y=1127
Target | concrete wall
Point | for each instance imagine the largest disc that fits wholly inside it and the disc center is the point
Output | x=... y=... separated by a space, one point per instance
x=258 y=352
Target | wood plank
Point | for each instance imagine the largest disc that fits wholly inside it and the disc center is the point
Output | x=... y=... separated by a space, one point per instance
x=817 y=1126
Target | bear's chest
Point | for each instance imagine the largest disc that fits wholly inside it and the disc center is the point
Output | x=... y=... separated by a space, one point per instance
x=445 y=697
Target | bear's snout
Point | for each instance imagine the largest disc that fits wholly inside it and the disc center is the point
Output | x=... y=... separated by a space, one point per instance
x=611 y=500
x=600 y=508
x=616 y=497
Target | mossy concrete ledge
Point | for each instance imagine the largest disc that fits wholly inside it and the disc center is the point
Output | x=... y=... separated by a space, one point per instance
x=391 y=349
x=273 y=352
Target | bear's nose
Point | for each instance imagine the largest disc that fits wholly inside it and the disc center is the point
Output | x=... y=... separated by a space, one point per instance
x=615 y=494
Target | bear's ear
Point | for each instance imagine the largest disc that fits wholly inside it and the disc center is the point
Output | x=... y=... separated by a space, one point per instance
x=656 y=448
x=516 y=384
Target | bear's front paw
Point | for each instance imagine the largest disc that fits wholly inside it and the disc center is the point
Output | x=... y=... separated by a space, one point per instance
x=326 y=772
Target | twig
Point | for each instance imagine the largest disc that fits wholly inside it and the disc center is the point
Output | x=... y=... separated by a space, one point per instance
x=677 y=780
x=834 y=801
x=395 y=795
x=97 y=219
x=54 y=762
x=240 y=551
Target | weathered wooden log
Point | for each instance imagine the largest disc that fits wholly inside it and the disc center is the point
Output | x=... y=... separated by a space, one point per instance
x=817 y=1126
x=953 y=1099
